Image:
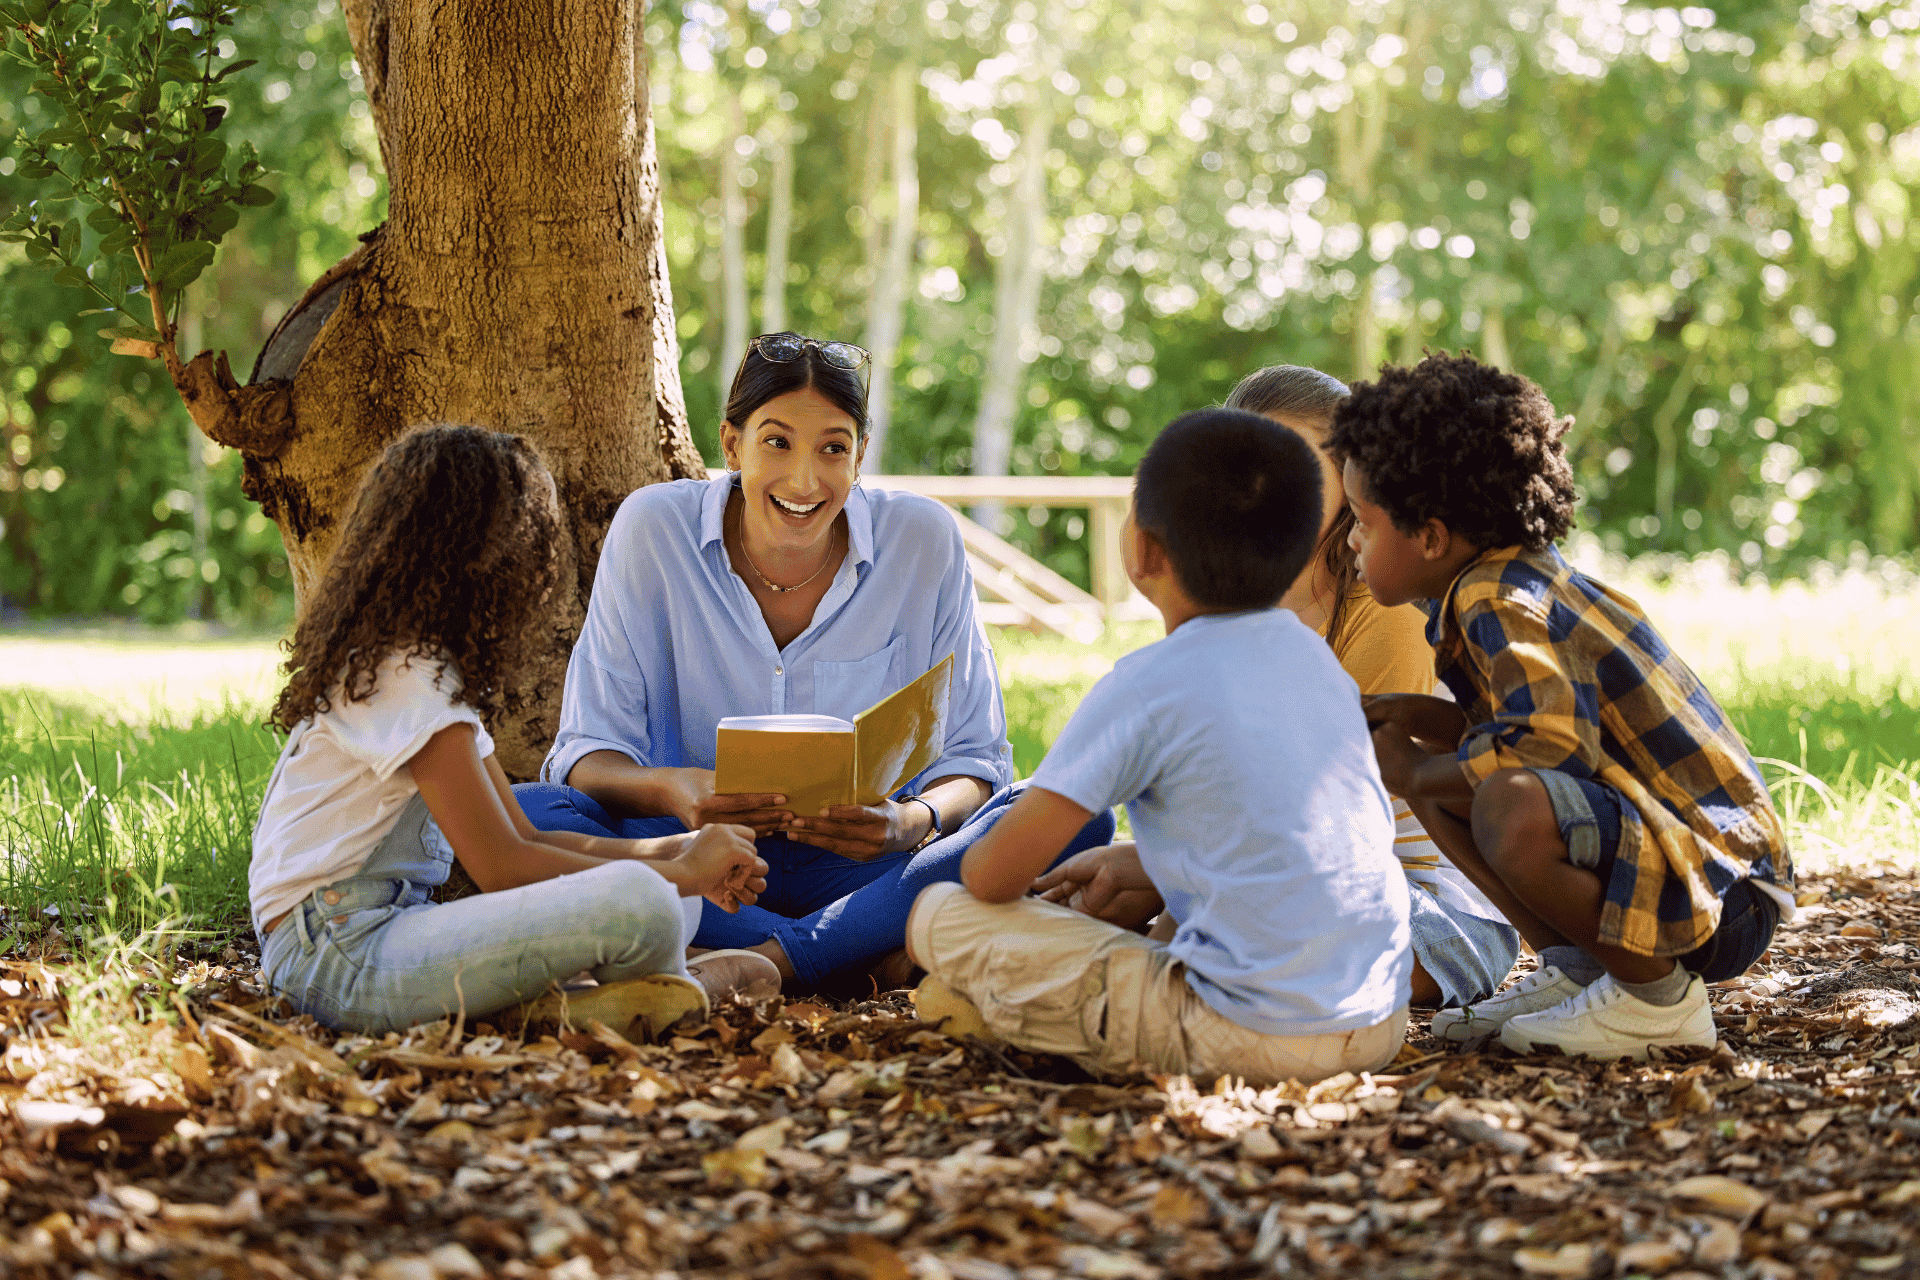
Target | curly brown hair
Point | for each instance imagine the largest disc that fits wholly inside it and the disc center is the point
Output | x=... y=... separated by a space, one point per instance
x=447 y=553
x=1464 y=443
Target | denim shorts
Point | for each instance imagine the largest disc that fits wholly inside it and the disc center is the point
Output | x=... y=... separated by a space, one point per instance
x=1589 y=816
x=1468 y=956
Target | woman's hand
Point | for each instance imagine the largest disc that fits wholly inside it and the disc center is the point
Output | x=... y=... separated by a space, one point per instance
x=864 y=832
x=1420 y=716
x=719 y=864
x=688 y=795
x=1107 y=883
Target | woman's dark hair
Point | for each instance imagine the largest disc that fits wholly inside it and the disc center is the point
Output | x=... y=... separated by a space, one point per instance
x=760 y=380
x=1463 y=443
x=445 y=557
x=1234 y=498
x=1295 y=391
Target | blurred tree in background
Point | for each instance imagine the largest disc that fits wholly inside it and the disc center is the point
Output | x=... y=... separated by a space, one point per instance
x=1696 y=228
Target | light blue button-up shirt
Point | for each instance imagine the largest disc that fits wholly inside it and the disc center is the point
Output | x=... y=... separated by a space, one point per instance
x=674 y=641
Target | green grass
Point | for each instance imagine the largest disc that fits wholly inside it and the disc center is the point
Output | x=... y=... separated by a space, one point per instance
x=124 y=807
x=111 y=824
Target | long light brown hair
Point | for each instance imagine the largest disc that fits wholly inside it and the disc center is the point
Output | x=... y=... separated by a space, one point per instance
x=1295 y=391
x=446 y=556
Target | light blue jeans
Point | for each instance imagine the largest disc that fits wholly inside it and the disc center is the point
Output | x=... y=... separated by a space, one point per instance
x=371 y=954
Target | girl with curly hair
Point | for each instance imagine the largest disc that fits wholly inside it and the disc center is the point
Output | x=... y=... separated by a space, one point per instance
x=388 y=776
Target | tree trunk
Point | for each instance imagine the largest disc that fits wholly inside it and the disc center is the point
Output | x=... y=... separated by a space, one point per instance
x=773 y=288
x=1358 y=136
x=733 y=254
x=199 y=599
x=1493 y=337
x=886 y=316
x=1016 y=300
x=1666 y=438
x=519 y=283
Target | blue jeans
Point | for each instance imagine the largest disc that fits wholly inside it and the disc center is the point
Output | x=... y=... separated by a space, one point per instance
x=1588 y=814
x=370 y=953
x=829 y=913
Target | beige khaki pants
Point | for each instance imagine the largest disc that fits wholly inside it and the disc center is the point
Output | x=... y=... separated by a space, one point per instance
x=1048 y=979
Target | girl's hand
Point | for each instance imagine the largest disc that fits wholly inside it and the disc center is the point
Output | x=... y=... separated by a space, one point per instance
x=1418 y=715
x=1107 y=883
x=688 y=795
x=863 y=832
x=720 y=865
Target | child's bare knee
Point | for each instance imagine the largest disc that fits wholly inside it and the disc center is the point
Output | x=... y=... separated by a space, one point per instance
x=1513 y=819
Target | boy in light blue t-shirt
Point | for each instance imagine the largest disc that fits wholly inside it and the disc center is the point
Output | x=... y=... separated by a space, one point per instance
x=1240 y=750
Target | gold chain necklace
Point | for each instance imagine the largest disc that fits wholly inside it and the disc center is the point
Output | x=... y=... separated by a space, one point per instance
x=740 y=530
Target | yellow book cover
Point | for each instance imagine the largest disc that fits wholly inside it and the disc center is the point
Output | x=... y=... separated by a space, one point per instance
x=818 y=761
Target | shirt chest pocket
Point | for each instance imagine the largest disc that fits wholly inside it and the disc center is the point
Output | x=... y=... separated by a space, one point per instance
x=846 y=689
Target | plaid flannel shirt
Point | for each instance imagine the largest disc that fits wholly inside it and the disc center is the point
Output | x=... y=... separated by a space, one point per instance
x=1556 y=671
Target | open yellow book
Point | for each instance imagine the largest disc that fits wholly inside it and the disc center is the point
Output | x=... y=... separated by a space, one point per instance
x=817 y=761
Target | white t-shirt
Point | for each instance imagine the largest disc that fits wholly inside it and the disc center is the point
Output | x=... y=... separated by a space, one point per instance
x=342 y=781
x=1240 y=751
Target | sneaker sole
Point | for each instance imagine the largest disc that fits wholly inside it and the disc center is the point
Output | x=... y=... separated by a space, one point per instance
x=1638 y=1053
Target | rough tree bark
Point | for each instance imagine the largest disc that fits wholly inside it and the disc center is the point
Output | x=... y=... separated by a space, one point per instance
x=519 y=283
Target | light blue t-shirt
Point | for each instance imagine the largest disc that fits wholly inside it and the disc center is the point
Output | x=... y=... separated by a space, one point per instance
x=674 y=642
x=1239 y=748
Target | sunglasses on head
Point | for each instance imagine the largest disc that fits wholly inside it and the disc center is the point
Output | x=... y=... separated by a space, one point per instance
x=784 y=348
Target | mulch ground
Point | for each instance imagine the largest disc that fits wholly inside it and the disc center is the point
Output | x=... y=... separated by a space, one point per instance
x=808 y=1138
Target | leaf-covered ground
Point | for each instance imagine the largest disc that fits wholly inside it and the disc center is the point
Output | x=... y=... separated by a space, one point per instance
x=807 y=1138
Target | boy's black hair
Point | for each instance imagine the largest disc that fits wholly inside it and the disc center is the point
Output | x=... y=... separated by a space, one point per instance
x=1457 y=441
x=1235 y=500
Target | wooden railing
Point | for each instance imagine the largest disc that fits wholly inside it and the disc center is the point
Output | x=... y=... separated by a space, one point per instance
x=1015 y=588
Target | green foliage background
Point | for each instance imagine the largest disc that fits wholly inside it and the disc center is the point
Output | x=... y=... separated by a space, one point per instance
x=1695 y=227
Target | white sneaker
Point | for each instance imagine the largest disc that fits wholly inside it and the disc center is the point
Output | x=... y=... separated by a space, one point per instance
x=1544 y=988
x=1604 y=1021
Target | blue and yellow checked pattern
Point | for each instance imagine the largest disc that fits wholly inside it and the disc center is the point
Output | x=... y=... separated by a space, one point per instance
x=1556 y=671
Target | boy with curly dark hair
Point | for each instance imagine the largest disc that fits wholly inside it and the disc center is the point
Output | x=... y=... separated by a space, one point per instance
x=1584 y=777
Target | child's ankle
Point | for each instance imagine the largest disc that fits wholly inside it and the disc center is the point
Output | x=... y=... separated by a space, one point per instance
x=1663 y=992
x=1574 y=962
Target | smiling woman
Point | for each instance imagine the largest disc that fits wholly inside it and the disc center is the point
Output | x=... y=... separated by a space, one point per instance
x=783 y=587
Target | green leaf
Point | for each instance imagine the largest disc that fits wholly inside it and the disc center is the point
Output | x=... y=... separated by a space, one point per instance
x=128 y=121
x=232 y=67
x=38 y=248
x=218 y=220
x=180 y=265
x=75 y=276
x=208 y=155
x=104 y=220
x=255 y=195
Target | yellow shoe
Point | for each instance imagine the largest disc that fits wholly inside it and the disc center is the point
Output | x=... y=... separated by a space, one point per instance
x=641 y=1009
x=954 y=1014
